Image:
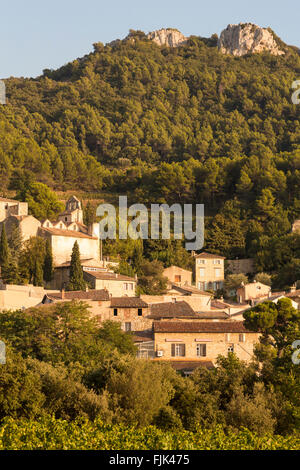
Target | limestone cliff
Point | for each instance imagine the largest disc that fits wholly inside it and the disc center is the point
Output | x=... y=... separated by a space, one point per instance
x=245 y=38
x=167 y=37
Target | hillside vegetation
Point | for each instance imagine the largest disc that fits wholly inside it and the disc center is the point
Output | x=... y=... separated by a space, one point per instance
x=185 y=124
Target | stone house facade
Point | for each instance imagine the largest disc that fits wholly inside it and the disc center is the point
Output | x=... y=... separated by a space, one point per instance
x=118 y=285
x=178 y=275
x=198 y=341
x=252 y=291
x=209 y=271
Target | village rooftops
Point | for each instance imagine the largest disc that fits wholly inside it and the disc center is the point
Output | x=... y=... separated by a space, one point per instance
x=110 y=276
x=199 y=327
x=100 y=294
x=142 y=336
x=127 y=302
x=171 y=309
x=189 y=290
x=213 y=315
x=89 y=262
x=4 y=199
x=67 y=233
x=209 y=256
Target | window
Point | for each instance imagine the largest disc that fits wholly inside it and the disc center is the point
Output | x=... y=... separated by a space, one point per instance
x=216 y=261
x=127 y=326
x=140 y=312
x=230 y=348
x=178 y=350
x=218 y=272
x=202 y=272
x=115 y=312
x=128 y=286
x=201 y=350
x=177 y=278
x=201 y=285
x=66 y=219
x=201 y=261
x=242 y=337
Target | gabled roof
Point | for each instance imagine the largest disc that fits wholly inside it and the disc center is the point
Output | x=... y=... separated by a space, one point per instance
x=209 y=256
x=4 y=199
x=128 y=302
x=67 y=233
x=99 y=294
x=189 y=290
x=109 y=276
x=199 y=327
x=171 y=310
x=214 y=315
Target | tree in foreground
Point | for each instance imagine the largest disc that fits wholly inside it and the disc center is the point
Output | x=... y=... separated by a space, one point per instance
x=76 y=281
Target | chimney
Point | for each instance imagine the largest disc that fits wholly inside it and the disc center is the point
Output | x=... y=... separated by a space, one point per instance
x=86 y=288
x=63 y=293
x=293 y=288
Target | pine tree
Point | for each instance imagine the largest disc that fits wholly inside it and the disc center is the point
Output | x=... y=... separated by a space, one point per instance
x=38 y=273
x=4 y=249
x=76 y=273
x=48 y=262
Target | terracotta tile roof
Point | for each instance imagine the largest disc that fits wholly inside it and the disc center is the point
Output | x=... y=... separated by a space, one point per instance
x=215 y=315
x=171 y=309
x=199 y=327
x=67 y=233
x=189 y=289
x=209 y=256
x=109 y=276
x=128 y=302
x=93 y=294
x=90 y=262
x=142 y=336
x=4 y=199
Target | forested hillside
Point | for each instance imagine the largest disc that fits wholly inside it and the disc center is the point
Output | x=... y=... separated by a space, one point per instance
x=185 y=124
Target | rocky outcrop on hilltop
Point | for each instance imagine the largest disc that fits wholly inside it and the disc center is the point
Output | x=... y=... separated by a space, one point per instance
x=167 y=37
x=245 y=38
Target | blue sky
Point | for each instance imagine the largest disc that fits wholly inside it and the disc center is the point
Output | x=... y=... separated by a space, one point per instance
x=39 y=34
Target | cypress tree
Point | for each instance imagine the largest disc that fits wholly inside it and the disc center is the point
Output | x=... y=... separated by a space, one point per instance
x=76 y=281
x=38 y=273
x=4 y=250
x=15 y=243
x=48 y=262
x=10 y=273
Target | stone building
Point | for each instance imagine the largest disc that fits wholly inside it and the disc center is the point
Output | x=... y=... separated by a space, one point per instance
x=118 y=285
x=178 y=275
x=14 y=297
x=10 y=207
x=202 y=341
x=209 y=271
x=253 y=291
x=62 y=233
